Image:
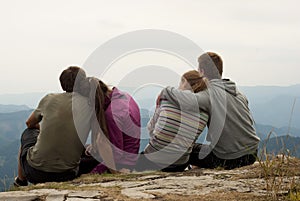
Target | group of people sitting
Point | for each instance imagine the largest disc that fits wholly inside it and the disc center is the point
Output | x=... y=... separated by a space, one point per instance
x=53 y=147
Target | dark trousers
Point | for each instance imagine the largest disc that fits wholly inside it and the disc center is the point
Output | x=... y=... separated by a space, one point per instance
x=88 y=163
x=33 y=175
x=212 y=161
x=143 y=163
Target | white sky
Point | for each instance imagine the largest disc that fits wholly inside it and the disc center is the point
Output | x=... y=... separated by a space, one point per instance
x=258 y=40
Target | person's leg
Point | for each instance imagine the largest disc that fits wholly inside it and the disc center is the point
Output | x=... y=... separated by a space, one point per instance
x=20 y=180
x=28 y=173
x=202 y=157
x=250 y=159
x=87 y=163
x=212 y=161
x=36 y=176
x=143 y=163
x=28 y=139
x=245 y=160
x=175 y=168
x=21 y=174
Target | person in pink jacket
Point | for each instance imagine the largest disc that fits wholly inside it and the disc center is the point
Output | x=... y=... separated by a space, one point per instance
x=123 y=122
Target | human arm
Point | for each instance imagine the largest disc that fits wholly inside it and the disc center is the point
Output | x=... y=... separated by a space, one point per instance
x=32 y=121
x=37 y=115
x=187 y=100
x=153 y=120
x=127 y=121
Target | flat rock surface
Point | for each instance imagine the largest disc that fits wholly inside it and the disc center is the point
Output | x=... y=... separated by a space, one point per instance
x=244 y=183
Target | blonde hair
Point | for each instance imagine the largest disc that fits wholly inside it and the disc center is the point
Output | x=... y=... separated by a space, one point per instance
x=196 y=80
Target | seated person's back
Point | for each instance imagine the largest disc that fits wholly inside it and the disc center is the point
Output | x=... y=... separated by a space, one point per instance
x=174 y=132
x=58 y=146
x=123 y=123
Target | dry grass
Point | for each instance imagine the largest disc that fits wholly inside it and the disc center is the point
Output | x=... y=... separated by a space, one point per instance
x=281 y=174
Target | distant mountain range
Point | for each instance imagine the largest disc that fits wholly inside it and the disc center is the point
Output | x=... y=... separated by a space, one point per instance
x=29 y=99
x=11 y=124
x=276 y=106
x=265 y=131
x=13 y=108
x=264 y=94
x=287 y=145
x=8 y=163
x=271 y=105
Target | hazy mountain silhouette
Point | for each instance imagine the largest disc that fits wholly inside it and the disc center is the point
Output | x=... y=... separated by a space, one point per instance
x=13 y=108
x=29 y=99
x=12 y=124
x=287 y=145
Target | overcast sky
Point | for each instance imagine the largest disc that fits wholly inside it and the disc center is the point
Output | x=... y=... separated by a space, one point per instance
x=258 y=40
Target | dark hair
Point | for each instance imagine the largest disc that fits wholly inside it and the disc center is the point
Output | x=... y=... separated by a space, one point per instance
x=196 y=80
x=73 y=79
x=103 y=87
x=212 y=65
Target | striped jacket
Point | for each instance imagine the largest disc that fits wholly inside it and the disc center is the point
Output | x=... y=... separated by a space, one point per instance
x=173 y=134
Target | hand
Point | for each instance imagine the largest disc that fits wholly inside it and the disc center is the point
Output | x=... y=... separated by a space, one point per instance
x=158 y=100
x=112 y=171
x=32 y=121
x=124 y=171
x=121 y=171
x=89 y=149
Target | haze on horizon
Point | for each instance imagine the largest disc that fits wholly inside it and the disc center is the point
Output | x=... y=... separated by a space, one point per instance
x=259 y=41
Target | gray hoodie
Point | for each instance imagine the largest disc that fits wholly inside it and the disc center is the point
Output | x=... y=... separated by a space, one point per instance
x=230 y=128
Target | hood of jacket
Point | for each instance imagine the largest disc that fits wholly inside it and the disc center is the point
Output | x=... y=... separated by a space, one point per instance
x=225 y=84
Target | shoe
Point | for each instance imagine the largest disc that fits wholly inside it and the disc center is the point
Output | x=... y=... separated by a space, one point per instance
x=189 y=167
x=18 y=182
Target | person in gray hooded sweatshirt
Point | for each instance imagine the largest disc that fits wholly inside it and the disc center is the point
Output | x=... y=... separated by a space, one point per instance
x=231 y=135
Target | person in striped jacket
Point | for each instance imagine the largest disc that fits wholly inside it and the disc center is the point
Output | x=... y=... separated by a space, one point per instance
x=172 y=131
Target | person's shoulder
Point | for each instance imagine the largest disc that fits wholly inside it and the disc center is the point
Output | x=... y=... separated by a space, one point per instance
x=242 y=96
x=57 y=94
x=76 y=97
x=51 y=96
x=48 y=98
x=121 y=97
x=61 y=96
x=117 y=93
x=123 y=104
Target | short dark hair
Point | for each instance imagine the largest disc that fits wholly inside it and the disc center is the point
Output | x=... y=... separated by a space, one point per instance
x=68 y=77
x=212 y=65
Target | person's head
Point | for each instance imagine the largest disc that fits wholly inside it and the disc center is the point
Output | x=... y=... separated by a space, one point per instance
x=194 y=81
x=73 y=79
x=211 y=65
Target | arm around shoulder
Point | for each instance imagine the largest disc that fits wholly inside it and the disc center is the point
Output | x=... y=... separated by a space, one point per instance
x=185 y=99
